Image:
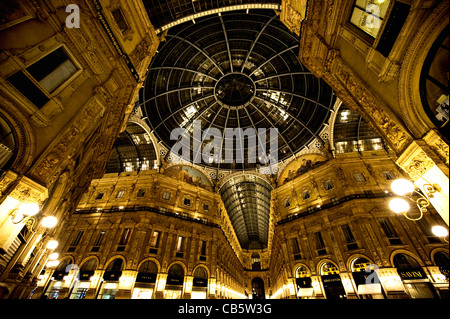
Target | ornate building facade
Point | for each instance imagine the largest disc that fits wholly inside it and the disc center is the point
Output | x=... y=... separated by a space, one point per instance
x=94 y=205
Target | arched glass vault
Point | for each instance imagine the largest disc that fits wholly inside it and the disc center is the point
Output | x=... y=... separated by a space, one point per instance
x=247 y=201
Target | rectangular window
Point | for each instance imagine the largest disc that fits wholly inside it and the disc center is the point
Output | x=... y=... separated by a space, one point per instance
x=319 y=240
x=141 y=193
x=50 y=72
x=393 y=27
x=348 y=235
x=77 y=238
x=180 y=244
x=287 y=203
x=98 y=240
x=166 y=195
x=120 y=20
x=99 y=196
x=125 y=237
x=206 y=207
x=75 y=241
x=359 y=177
x=368 y=16
x=389 y=176
x=187 y=202
x=155 y=239
x=120 y=194
x=296 y=248
x=328 y=185
x=320 y=245
x=390 y=231
x=306 y=195
x=203 y=248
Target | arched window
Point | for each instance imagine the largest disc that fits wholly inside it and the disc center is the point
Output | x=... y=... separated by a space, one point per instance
x=256 y=262
x=147 y=272
x=87 y=269
x=405 y=261
x=329 y=268
x=90 y=265
x=200 y=283
x=175 y=275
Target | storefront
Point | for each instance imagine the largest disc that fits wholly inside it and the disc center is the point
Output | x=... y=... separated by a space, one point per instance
x=110 y=283
x=366 y=279
x=56 y=283
x=174 y=283
x=416 y=282
x=83 y=283
x=303 y=281
x=145 y=281
x=331 y=281
x=200 y=284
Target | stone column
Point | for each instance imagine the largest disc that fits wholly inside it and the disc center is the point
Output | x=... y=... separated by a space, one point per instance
x=187 y=287
x=126 y=284
x=426 y=162
x=160 y=285
x=392 y=283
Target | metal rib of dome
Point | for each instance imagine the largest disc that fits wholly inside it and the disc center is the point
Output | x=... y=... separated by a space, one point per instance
x=235 y=70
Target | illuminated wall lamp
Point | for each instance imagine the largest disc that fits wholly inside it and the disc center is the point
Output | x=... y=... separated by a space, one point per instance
x=440 y=231
x=405 y=188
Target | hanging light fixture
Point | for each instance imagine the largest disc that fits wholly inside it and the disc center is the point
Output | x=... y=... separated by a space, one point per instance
x=405 y=188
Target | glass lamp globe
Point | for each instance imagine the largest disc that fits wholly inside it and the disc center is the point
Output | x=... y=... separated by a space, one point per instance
x=402 y=187
x=52 y=244
x=29 y=209
x=53 y=256
x=49 y=221
x=439 y=231
x=399 y=205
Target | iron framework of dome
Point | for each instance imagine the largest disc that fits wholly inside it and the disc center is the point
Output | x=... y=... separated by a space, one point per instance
x=237 y=69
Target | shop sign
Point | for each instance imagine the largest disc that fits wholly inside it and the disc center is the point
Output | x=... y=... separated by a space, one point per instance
x=112 y=275
x=304 y=282
x=175 y=280
x=146 y=277
x=200 y=282
x=411 y=273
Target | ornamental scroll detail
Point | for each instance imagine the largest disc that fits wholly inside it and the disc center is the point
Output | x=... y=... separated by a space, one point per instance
x=394 y=133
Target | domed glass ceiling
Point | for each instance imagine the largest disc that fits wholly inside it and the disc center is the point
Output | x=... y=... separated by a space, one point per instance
x=237 y=69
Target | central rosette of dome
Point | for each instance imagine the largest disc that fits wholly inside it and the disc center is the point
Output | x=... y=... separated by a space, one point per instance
x=235 y=90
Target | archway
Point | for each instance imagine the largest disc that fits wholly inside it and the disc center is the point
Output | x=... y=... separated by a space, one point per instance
x=414 y=279
x=258 y=291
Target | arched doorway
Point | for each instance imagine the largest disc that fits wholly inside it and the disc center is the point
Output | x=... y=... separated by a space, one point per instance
x=331 y=280
x=174 y=283
x=258 y=291
x=81 y=287
x=200 y=283
x=145 y=280
x=110 y=283
x=414 y=279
